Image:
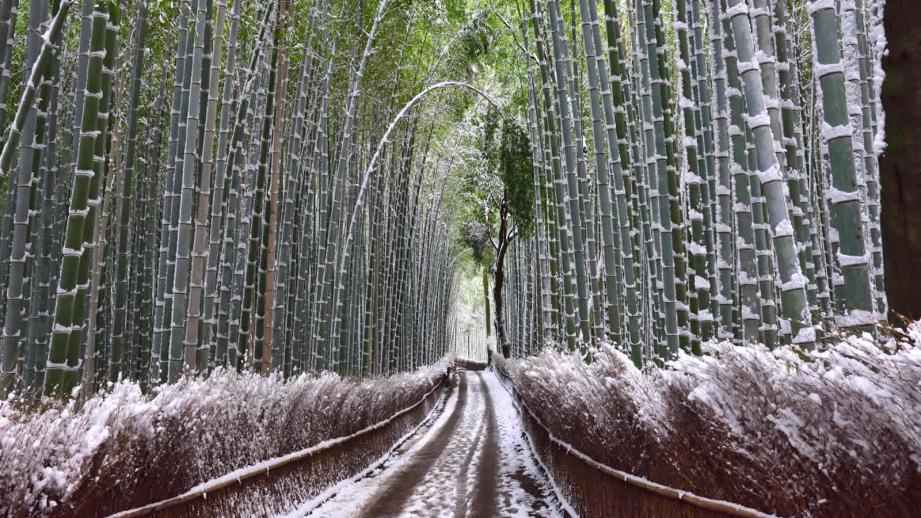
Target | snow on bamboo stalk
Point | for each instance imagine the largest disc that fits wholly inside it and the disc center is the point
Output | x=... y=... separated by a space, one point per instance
x=307 y=267
x=285 y=314
x=657 y=171
x=612 y=283
x=614 y=172
x=220 y=194
x=160 y=351
x=6 y=224
x=224 y=219
x=730 y=319
x=758 y=307
x=561 y=225
x=794 y=306
x=596 y=316
x=148 y=231
x=181 y=355
x=333 y=254
x=94 y=256
x=43 y=236
x=22 y=197
x=170 y=351
x=28 y=195
x=250 y=339
x=854 y=21
x=200 y=242
x=700 y=247
x=129 y=183
x=276 y=358
x=853 y=292
x=560 y=53
x=765 y=42
x=791 y=116
x=543 y=254
x=718 y=209
x=632 y=143
x=18 y=229
x=63 y=362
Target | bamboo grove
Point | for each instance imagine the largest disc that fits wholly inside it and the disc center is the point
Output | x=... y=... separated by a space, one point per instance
x=278 y=186
x=203 y=184
x=705 y=169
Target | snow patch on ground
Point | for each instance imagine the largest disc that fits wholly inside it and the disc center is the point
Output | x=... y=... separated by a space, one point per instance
x=517 y=460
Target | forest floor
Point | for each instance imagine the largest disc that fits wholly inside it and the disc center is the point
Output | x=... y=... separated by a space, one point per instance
x=472 y=460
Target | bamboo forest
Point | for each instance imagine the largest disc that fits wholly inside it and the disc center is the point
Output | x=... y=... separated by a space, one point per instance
x=602 y=258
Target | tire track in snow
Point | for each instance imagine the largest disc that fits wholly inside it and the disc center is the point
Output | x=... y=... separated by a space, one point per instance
x=460 y=490
x=391 y=498
x=484 y=495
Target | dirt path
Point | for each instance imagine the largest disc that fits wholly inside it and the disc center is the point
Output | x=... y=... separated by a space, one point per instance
x=470 y=461
x=484 y=495
x=392 y=497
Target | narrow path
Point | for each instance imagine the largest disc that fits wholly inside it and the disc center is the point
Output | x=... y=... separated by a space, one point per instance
x=393 y=496
x=484 y=494
x=470 y=461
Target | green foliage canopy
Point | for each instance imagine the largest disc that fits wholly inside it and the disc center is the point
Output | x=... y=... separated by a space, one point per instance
x=504 y=179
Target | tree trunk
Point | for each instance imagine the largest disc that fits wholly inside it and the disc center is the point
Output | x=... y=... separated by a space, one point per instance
x=486 y=300
x=499 y=281
x=901 y=183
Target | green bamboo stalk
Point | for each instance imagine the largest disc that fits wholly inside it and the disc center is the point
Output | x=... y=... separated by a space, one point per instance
x=61 y=372
x=854 y=294
x=794 y=306
x=93 y=262
x=129 y=182
x=8 y=12
x=573 y=215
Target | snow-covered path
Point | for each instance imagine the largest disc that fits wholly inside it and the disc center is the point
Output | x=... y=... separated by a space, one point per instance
x=472 y=460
